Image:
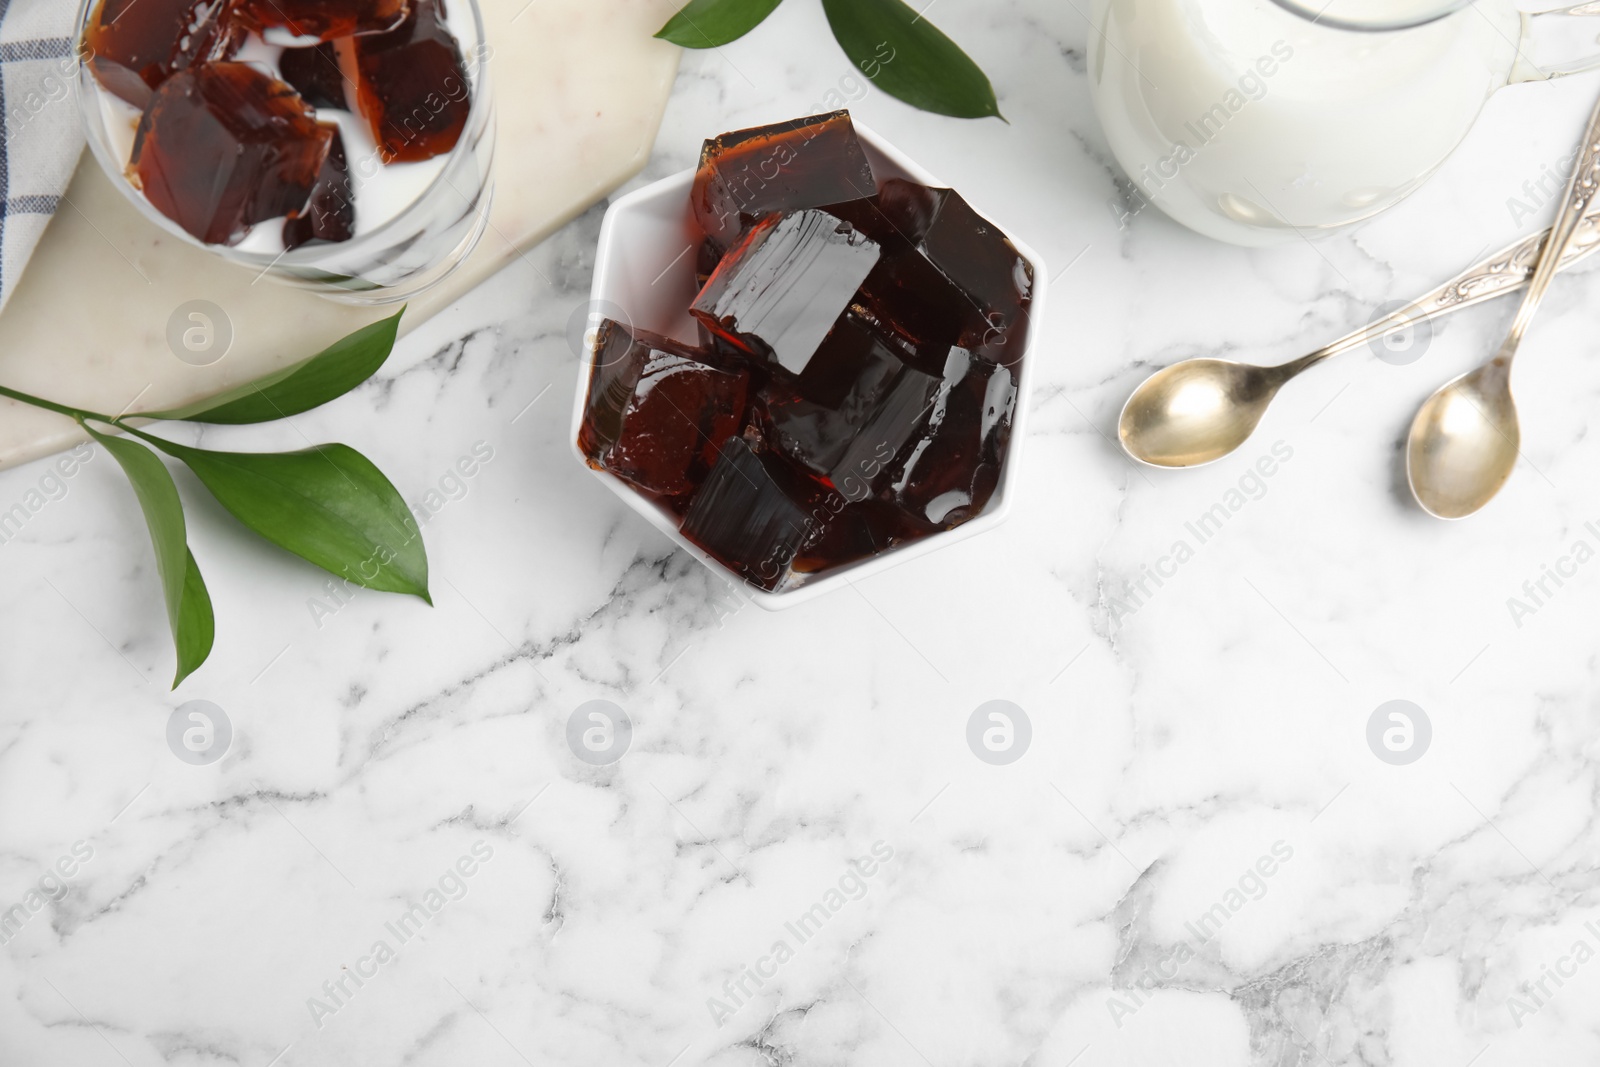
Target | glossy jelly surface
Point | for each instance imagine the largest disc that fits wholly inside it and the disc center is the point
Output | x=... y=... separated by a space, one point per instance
x=778 y=292
x=331 y=214
x=745 y=175
x=748 y=517
x=223 y=146
x=412 y=85
x=135 y=45
x=315 y=74
x=658 y=414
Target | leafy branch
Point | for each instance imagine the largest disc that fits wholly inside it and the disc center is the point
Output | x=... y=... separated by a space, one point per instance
x=328 y=504
x=892 y=44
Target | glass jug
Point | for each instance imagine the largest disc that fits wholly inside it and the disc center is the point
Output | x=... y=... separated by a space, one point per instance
x=1254 y=121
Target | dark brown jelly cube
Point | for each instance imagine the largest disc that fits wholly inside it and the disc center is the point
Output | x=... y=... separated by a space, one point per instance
x=751 y=515
x=331 y=215
x=852 y=367
x=411 y=85
x=952 y=470
x=679 y=411
x=779 y=291
x=315 y=74
x=657 y=412
x=322 y=19
x=908 y=297
x=897 y=217
x=135 y=45
x=849 y=431
x=815 y=437
x=804 y=163
x=979 y=260
x=223 y=146
x=861 y=469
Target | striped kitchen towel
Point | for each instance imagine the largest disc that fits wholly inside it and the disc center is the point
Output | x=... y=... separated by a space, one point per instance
x=43 y=135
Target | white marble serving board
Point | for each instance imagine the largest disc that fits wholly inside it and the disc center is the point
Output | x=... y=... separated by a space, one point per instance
x=579 y=90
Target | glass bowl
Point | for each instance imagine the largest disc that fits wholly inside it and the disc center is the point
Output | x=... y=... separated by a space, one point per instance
x=395 y=261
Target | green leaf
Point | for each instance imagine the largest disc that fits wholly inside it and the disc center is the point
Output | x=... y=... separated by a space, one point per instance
x=904 y=55
x=326 y=376
x=188 y=603
x=199 y=629
x=713 y=23
x=329 y=505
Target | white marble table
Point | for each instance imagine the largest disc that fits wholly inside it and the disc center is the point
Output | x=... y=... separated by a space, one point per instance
x=1105 y=900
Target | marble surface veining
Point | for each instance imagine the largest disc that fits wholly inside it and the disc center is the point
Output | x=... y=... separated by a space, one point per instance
x=1200 y=859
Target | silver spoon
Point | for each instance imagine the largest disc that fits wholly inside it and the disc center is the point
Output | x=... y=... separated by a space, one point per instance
x=1465 y=440
x=1199 y=410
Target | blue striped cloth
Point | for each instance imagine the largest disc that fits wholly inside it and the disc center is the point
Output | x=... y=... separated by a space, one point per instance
x=43 y=136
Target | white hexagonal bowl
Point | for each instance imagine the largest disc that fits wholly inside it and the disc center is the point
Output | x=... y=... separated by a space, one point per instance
x=645 y=268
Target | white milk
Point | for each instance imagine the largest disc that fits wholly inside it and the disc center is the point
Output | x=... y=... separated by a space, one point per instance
x=1252 y=124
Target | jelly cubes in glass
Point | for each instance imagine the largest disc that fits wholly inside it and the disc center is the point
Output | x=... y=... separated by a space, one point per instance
x=315 y=74
x=222 y=146
x=412 y=85
x=856 y=377
x=135 y=45
x=331 y=214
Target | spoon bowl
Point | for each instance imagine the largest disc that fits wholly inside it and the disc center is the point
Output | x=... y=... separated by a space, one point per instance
x=1196 y=411
x=1464 y=442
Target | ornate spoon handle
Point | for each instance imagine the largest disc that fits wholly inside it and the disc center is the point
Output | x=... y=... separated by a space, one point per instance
x=1581 y=188
x=1507 y=270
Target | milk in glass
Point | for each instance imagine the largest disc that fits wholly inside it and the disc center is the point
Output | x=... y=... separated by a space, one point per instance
x=1253 y=124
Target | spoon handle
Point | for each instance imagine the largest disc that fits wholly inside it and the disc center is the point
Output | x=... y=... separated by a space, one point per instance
x=1505 y=271
x=1581 y=189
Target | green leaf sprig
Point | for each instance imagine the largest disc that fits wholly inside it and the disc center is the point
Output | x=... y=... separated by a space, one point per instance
x=901 y=52
x=328 y=504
